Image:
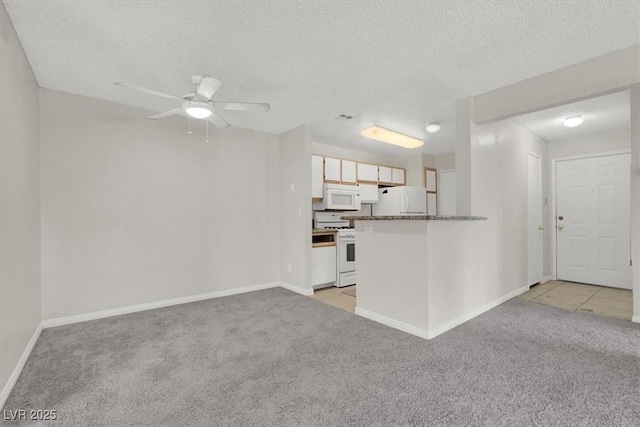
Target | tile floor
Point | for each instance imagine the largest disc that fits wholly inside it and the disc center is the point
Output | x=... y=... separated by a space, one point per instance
x=335 y=297
x=610 y=302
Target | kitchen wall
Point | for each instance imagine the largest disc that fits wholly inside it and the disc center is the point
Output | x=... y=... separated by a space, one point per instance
x=295 y=198
x=19 y=204
x=349 y=154
x=595 y=143
x=136 y=211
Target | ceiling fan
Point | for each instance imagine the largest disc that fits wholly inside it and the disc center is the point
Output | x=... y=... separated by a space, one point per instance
x=198 y=104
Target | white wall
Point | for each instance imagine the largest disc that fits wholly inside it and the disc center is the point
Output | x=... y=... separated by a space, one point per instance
x=19 y=203
x=635 y=198
x=499 y=192
x=595 y=143
x=295 y=201
x=137 y=211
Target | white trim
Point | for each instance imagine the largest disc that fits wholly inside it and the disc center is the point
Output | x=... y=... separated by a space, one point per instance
x=434 y=332
x=296 y=289
x=68 y=320
x=546 y=279
x=396 y=324
x=552 y=190
x=6 y=391
x=537 y=156
x=635 y=318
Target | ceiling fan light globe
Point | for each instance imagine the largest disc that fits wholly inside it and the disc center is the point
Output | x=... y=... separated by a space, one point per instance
x=198 y=110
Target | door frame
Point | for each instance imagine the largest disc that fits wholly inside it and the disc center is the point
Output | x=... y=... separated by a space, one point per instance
x=539 y=157
x=439 y=181
x=553 y=215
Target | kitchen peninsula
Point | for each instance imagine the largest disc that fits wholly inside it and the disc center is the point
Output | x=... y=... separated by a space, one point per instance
x=426 y=274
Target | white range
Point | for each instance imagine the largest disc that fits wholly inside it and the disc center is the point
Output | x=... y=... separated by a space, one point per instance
x=346 y=246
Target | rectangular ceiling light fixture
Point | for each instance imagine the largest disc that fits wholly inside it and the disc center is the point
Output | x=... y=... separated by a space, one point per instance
x=391 y=137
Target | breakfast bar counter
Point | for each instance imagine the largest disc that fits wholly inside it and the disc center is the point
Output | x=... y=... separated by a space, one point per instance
x=426 y=274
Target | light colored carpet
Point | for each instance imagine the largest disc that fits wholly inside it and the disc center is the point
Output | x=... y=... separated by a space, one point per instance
x=274 y=358
x=350 y=291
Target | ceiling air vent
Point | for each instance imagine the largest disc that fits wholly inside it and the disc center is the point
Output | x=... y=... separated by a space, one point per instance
x=344 y=117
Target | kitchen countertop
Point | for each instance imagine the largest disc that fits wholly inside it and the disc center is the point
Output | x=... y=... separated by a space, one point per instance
x=323 y=231
x=416 y=218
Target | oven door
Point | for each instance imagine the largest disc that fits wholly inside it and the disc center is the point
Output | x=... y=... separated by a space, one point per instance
x=342 y=200
x=347 y=261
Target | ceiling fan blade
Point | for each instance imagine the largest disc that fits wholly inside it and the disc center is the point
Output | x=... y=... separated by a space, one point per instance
x=173 y=112
x=207 y=87
x=145 y=90
x=218 y=121
x=242 y=106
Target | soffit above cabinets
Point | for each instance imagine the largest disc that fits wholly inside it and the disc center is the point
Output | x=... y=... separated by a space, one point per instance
x=400 y=65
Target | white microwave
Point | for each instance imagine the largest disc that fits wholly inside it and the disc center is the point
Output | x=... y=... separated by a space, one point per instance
x=341 y=197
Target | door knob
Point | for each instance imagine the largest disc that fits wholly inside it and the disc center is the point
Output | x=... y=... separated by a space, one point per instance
x=561 y=218
x=560 y=227
x=541 y=227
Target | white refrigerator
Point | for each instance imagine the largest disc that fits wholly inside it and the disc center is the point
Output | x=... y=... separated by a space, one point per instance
x=403 y=200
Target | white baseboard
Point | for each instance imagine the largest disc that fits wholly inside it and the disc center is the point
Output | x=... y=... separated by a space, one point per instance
x=546 y=279
x=18 y=369
x=635 y=318
x=296 y=289
x=68 y=320
x=396 y=324
x=434 y=332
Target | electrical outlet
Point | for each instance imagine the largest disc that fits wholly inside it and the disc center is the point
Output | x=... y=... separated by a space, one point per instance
x=367 y=230
x=289 y=268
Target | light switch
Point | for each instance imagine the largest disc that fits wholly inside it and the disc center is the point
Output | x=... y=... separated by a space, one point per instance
x=292 y=187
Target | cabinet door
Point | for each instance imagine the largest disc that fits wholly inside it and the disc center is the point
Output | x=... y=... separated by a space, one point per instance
x=323 y=265
x=317 y=176
x=397 y=176
x=384 y=174
x=348 y=172
x=368 y=193
x=367 y=173
x=331 y=169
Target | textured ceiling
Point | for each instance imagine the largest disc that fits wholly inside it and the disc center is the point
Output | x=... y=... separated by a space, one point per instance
x=603 y=114
x=397 y=64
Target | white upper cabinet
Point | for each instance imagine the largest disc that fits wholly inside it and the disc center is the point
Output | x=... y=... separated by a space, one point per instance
x=368 y=193
x=384 y=174
x=348 y=172
x=332 y=169
x=367 y=173
x=317 y=176
x=397 y=176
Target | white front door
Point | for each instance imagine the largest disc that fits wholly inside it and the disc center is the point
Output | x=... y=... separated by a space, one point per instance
x=593 y=220
x=534 y=219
